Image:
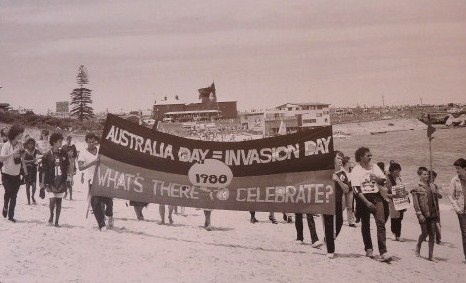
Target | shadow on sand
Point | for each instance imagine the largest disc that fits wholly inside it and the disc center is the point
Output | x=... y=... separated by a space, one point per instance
x=126 y=231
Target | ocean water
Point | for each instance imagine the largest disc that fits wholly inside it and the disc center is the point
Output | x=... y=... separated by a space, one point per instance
x=411 y=150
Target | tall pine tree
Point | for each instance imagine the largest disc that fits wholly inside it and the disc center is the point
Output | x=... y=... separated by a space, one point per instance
x=81 y=97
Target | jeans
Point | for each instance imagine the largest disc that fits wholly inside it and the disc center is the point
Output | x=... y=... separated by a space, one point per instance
x=310 y=223
x=98 y=204
x=11 y=184
x=396 y=224
x=462 y=220
x=379 y=215
x=329 y=233
x=349 y=206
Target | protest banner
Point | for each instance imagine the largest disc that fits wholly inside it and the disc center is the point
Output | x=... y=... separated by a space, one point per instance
x=291 y=173
x=401 y=203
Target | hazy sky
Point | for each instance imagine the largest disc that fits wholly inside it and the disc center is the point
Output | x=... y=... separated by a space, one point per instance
x=260 y=53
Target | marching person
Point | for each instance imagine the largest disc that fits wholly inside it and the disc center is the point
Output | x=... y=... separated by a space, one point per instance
x=138 y=206
x=12 y=157
x=271 y=217
x=30 y=160
x=348 y=194
x=438 y=228
x=298 y=224
x=342 y=185
x=457 y=196
x=72 y=152
x=56 y=172
x=207 y=217
x=101 y=206
x=366 y=180
x=43 y=145
x=424 y=195
x=394 y=184
x=171 y=208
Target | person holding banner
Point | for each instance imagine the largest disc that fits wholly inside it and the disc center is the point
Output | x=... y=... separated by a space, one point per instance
x=171 y=208
x=87 y=160
x=366 y=180
x=398 y=197
x=457 y=195
x=312 y=229
x=424 y=195
x=271 y=217
x=333 y=223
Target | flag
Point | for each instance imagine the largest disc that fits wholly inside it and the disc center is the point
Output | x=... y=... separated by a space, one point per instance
x=204 y=93
x=430 y=130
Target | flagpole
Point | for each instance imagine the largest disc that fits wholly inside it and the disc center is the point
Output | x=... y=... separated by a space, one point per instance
x=430 y=159
x=430 y=131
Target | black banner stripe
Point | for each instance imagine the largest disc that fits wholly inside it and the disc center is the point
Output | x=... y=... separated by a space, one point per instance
x=299 y=152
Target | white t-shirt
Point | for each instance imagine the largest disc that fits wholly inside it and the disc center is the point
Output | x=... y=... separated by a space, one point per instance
x=9 y=166
x=87 y=157
x=360 y=177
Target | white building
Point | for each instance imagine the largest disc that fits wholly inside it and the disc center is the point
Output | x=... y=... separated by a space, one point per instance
x=313 y=114
x=294 y=116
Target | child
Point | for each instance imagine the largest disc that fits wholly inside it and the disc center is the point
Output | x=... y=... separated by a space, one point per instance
x=425 y=205
x=394 y=186
x=56 y=172
x=438 y=231
x=30 y=159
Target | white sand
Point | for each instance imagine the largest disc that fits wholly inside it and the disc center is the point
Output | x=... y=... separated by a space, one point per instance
x=235 y=251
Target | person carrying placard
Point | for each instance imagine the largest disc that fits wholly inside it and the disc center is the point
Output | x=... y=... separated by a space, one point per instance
x=396 y=190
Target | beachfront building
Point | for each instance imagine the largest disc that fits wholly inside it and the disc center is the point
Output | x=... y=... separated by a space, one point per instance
x=294 y=116
x=174 y=110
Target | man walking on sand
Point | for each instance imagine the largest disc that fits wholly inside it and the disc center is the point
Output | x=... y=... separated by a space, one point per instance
x=366 y=179
x=457 y=195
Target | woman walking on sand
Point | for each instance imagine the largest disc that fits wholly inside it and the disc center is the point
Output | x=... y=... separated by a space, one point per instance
x=12 y=157
x=333 y=223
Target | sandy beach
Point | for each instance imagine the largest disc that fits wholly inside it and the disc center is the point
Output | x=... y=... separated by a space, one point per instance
x=236 y=250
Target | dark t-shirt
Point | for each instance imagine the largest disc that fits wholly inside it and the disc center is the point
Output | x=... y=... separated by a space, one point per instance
x=338 y=190
x=55 y=165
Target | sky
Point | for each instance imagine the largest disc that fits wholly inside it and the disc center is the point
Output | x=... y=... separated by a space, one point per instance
x=261 y=53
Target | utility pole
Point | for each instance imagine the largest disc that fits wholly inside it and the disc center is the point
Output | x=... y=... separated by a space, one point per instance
x=383 y=101
x=421 y=100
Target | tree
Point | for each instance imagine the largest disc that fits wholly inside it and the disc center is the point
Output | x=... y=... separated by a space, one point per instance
x=81 y=97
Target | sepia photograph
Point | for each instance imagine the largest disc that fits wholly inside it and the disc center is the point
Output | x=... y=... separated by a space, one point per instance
x=233 y=141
